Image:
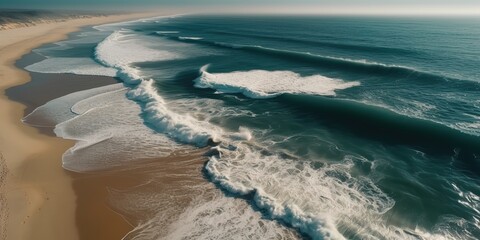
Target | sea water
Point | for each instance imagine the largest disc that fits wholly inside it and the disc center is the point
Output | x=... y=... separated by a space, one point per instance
x=335 y=127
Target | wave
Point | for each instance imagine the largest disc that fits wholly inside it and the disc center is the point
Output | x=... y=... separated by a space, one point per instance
x=182 y=128
x=389 y=127
x=267 y=84
x=314 y=199
x=374 y=122
x=324 y=202
x=60 y=109
x=336 y=45
x=119 y=50
x=260 y=84
x=109 y=134
x=190 y=38
x=103 y=134
x=167 y=32
x=345 y=64
x=79 y=66
x=423 y=110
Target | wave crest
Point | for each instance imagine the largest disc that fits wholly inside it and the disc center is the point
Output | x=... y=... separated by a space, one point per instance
x=268 y=84
x=182 y=128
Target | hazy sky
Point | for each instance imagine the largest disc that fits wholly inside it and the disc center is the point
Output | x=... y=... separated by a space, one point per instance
x=311 y=6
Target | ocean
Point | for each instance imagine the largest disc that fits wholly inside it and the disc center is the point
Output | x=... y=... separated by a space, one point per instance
x=333 y=127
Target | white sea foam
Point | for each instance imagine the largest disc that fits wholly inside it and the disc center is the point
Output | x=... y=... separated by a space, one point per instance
x=321 y=200
x=101 y=130
x=267 y=84
x=192 y=208
x=105 y=124
x=350 y=60
x=79 y=66
x=225 y=218
x=59 y=110
x=368 y=62
x=167 y=32
x=190 y=38
x=182 y=128
x=315 y=201
x=341 y=59
x=468 y=127
x=421 y=110
x=207 y=109
x=109 y=133
x=119 y=50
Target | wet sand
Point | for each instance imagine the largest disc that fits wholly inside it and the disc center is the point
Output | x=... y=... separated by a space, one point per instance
x=37 y=198
x=95 y=215
x=39 y=91
x=123 y=190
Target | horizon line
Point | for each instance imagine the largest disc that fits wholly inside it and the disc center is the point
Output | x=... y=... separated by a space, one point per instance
x=285 y=10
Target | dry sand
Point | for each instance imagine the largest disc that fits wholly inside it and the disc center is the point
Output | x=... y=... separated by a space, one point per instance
x=37 y=199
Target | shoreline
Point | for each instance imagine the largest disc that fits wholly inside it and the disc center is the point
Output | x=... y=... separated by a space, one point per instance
x=37 y=196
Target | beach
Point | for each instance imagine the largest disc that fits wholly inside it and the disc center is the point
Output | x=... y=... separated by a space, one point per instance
x=38 y=197
x=201 y=126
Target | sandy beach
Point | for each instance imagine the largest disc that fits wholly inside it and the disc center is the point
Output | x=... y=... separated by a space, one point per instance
x=37 y=196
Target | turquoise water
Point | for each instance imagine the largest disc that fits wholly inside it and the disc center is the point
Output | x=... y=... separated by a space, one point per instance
x=339 y=127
